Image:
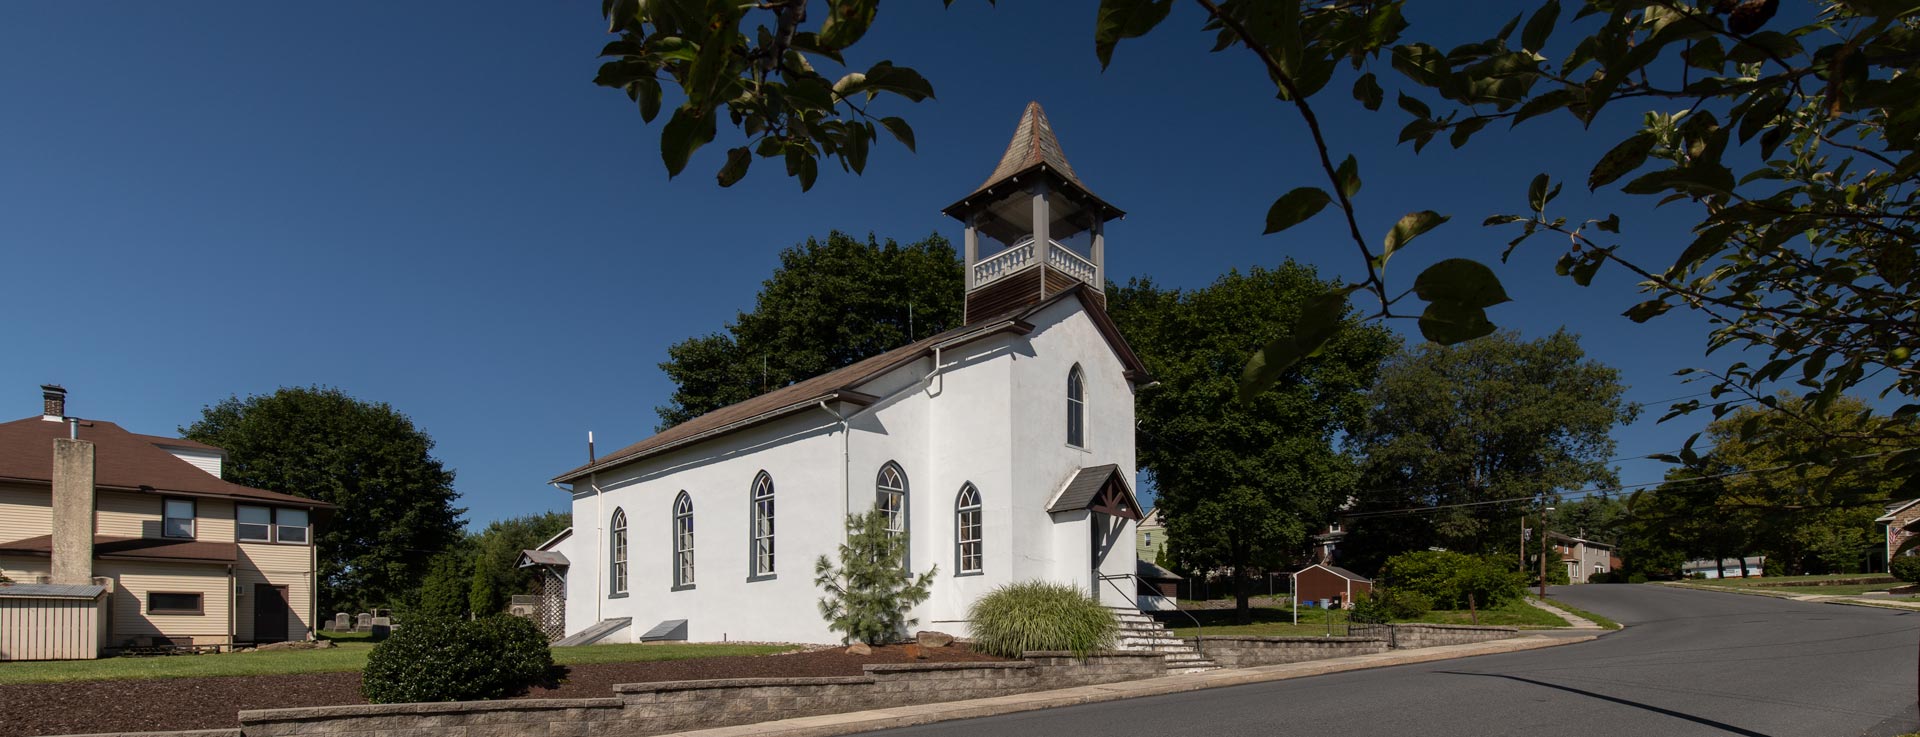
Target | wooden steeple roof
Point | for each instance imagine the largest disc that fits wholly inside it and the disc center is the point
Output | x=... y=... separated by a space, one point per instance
x=1034 y=150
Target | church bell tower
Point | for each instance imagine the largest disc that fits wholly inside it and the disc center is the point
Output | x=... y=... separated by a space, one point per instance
x=1033 y=230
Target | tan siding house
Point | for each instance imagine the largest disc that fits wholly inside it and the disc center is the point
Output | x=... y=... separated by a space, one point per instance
x=185 y=557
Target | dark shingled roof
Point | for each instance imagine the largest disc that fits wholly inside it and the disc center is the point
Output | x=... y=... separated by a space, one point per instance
x=1034 y=148
x=542 y=558
x=1084 y=489
x=164 y=441
x=840 y=385
x=122 y=461
x=53 y=590
x=1153 y=572
x=135 y=548
x=1338 y=571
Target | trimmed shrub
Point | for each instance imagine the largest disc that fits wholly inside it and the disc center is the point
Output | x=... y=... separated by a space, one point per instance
x=1385 y=605
x=447 y=659
x=1036 y=615
x=1446 y=578
x=1636 y=578
x=1905 y=568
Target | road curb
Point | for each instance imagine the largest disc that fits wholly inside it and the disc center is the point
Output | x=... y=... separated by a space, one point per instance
x=828 y=725
x=1804 y=598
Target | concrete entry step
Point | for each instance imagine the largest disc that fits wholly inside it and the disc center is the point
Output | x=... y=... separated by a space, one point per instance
x=1140 y=632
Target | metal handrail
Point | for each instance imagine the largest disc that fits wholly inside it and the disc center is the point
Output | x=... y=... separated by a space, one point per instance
x=1199 y=632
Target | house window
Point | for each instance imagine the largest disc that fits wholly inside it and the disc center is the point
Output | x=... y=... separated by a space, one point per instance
x=179 y=518
x=683 y=541
x=290 y=526
x=1149 y=539
x=617 y=543
x=967 y=524
x=763 y=525
x=890 y=497
x=1076 y=408
x=159 y=602
x=253 y=524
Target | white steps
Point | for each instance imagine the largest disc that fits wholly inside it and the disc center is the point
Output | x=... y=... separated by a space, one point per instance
x=1142 y=633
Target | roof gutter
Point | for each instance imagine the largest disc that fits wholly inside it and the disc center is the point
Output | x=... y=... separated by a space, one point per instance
x=843 y=395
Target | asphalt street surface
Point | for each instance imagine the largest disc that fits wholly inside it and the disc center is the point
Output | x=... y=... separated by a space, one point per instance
x=1688 y=663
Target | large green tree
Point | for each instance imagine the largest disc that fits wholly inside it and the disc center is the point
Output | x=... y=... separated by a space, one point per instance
x=1483 y=432
x=1794 y=139
x=1241 y=483
x=478 y=576
x=830 y=303
x=1802 y=484
x=394 y=499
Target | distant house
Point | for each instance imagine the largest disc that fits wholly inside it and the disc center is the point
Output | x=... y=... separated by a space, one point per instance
x=140 y=533
x=1150 y=537
x=1750 y=566
x=1894 y=525
x=1583 y=557
x=1321 y=582
x=1326 y=544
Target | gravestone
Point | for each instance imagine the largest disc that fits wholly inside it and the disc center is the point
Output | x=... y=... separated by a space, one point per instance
x=342 y=622
x=382 y=626
x=363 y=622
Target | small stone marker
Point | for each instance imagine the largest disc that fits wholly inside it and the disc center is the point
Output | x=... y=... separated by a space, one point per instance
x=926 y=638
x=363 y=622
x=342 y=622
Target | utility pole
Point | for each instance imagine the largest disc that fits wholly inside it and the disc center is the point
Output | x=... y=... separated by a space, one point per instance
x=1543 y=551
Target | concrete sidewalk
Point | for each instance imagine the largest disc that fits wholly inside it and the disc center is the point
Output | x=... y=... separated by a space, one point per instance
x=1573 y=620
x=1810 y=598
x=907 y=716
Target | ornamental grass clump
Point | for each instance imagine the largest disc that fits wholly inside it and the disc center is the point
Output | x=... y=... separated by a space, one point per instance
x=1035 y=615
x=448 y=659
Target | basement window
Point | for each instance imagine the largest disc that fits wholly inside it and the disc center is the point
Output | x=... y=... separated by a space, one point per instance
x=159 y=602
x=179 y=519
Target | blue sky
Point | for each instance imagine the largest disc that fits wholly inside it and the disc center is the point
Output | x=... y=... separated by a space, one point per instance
x=439 y=210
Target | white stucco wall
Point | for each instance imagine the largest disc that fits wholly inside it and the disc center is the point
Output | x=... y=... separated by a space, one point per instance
x=993 y=415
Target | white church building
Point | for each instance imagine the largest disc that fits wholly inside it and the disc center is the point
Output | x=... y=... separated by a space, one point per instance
x=1003 y=449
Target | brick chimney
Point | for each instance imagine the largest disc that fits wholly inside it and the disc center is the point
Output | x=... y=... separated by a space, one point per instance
x=53 y=403
x=72 y=511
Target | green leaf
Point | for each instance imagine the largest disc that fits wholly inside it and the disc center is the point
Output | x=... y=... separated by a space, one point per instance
x=711 y=70
x=736 y=167
x=902 y=81
x=900 y=130
x=1610 y=225
x=1465 y=282
x=1410 y=226
x=1540 y=26
x=1627 y=156
x=1118 y=19
x=1319 y=320
x=1367 y=90
x=647 y=94
x=1647 y=310
x=1417 y=108
x=1448 y=323
x=1583 y=271
x=1465 y=129
x=846 y=22
x=685 y=133
x=1295 y=207
x=1349 y=176
x=1538 y=195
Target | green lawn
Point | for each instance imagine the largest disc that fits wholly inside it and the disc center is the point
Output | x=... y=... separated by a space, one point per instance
x=1578 y=612
x=1780 y=584
x=1273 y=622
x=351 y=655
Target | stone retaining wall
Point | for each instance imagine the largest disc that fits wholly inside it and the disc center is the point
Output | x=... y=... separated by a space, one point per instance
x=654 y=708
x=1408 y=636
x=1233 y=651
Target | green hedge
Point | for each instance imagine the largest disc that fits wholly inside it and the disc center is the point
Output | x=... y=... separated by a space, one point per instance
x=447 y=659
x=1035 y=615
x=1905 y=568
x=1447 y=578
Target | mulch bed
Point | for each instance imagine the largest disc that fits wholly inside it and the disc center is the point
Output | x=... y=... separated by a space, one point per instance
x=212 y=703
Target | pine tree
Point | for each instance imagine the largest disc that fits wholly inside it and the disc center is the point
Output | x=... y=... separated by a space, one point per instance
x=869 y=593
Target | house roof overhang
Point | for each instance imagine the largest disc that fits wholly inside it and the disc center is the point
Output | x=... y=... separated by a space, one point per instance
x=1101 y=489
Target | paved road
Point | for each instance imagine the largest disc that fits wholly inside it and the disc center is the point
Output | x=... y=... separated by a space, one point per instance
x=1689 y=663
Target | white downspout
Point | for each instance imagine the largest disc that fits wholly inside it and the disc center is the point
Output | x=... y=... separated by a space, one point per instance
x=846 y=470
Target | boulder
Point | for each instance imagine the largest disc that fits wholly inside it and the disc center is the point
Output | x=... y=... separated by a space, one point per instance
x=932 y=639
x=859 y=648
